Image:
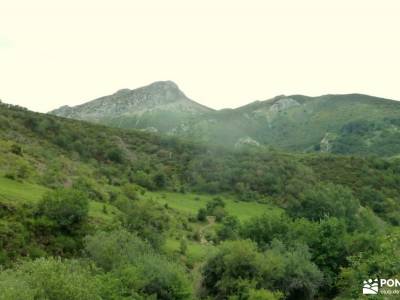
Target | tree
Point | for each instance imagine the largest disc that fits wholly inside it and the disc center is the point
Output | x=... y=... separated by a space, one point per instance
x=290 y=270
x=229 y=229
x=330 y=251
x=149 y=220
x=235 y=262
x=238 y=267
x=325 y=200
x=216 y=207
x=155 y=276
x=111 y=250
x=67 y=208
x=214 y=203
x=116 y=155
x=263 y=229
x=160 y=180
x=202 y=215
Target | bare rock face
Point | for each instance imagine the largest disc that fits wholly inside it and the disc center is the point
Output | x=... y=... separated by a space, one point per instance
x=64 y=110
x=158 y=96
x=150 y=129
x=278 y=105
x=326 y=142
x=246 y=141
x=283 y=104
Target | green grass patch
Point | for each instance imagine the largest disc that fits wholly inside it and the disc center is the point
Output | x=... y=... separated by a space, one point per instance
x=195 y=251
x=187 y=203
x=15 y=191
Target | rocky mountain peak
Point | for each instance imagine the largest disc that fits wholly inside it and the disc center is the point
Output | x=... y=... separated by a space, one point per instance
x=157 y=96
x=167 y=90
x=167 y=84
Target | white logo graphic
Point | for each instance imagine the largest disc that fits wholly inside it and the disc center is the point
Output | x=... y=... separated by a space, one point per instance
x=370 y=287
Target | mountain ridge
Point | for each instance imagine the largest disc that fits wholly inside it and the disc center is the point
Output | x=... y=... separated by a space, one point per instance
x=171 y=84
x=154 y=95
x=294 y=122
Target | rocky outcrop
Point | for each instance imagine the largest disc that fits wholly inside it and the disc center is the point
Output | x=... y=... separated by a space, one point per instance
x=326 y=143
x=158 y=96
x=246 y=141
x=279 y=105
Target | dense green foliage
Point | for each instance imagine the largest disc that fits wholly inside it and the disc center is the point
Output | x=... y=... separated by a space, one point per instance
x=379 y=137
x=90 y=212
x=135 y=268
x=49 y=279
x=65 y=208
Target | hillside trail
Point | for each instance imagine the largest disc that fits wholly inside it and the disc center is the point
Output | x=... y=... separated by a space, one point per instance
x=210 y=222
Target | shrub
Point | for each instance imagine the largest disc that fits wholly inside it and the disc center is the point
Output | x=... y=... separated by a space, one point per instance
x=49 y=278
x=111 y=250
x=16 y=149
x=201 y=215
x=135 y=268
x=67 y=208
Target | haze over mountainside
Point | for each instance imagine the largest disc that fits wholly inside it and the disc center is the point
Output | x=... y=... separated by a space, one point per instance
x=345 y=124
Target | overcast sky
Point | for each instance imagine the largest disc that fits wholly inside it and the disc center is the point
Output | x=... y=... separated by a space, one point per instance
x=222 y=53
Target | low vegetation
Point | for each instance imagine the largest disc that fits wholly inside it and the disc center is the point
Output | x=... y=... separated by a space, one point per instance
x=90 y=212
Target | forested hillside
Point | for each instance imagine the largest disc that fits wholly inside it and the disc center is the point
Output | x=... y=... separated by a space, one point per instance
x=341 y=124
x=92 y=212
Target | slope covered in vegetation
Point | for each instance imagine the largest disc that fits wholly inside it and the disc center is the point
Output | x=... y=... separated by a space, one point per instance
x=91 y=212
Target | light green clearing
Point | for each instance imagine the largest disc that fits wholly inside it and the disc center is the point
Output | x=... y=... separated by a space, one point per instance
x=187 y=203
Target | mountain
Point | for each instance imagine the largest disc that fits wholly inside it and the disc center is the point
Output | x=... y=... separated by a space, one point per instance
x=345 y=124
x=158 y=106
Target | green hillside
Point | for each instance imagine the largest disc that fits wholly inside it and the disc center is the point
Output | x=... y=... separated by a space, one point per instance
x=290 y=123
x=94 y=212
x=300 y=123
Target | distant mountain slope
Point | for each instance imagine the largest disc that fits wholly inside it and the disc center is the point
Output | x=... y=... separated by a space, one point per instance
x=160 y=105
x=307 y=123
x=329 y=123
